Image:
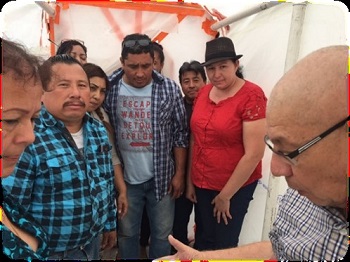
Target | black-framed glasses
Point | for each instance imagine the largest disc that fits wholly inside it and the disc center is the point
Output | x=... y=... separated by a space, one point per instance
x=290 y=156
x=140 y=42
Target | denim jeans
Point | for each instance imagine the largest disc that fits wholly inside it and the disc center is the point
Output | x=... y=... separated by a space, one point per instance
x=161 y=218
x=90 y=252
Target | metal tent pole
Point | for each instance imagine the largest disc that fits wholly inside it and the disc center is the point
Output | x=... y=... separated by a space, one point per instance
x=292 y=56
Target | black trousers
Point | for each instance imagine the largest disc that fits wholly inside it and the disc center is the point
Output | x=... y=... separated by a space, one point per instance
x=211 y=235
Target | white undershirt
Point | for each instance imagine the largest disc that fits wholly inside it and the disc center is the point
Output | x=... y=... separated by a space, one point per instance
x=79 y=139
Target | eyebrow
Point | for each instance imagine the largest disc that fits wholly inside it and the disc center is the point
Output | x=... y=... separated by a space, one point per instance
x=283 y=142
x=94 y=85
x=17 y=109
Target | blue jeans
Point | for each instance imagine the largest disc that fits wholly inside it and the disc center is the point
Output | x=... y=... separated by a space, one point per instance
x=161 y=218
x=90 y=251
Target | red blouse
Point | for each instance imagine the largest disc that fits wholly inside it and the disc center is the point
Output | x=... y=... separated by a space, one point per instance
x=218 y=134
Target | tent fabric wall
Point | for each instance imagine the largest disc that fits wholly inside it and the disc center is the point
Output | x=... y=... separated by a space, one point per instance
x=263 y=39
x=102 y=27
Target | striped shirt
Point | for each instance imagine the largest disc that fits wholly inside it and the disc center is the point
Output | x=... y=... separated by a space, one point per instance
x=169 y=124
x=303 y=231
x=70 y=193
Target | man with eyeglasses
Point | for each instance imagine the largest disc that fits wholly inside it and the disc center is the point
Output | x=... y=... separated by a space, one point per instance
x=307 y=132
x=149 y=119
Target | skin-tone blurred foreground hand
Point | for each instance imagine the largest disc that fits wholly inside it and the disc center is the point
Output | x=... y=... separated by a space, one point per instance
x=183 y=251
x=260 y=250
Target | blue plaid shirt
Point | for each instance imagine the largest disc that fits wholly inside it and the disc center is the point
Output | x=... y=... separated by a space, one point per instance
x=169 y=124
x=70 y=193
x=303 y=231
x=14 y=247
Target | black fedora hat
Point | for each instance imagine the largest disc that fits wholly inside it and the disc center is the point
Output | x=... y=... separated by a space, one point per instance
x=219 y=49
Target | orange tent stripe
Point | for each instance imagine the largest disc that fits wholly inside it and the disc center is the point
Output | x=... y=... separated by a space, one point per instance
x=159 y=38
x=113 y=23
x=138 y=22
x=162 y=7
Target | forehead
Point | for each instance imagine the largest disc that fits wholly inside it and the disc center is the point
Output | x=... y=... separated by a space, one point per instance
x=64 y=71
x=99 y=81
x=191 y=74
x=219 y=63
x=78 y=49
x=19 y=91
x=136 y=59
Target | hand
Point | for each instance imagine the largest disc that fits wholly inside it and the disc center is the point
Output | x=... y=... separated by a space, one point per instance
x=183 y=251
x=122 y=204
x=109 y=240
x=191 y=193
x=221 y=208
x=177 y=186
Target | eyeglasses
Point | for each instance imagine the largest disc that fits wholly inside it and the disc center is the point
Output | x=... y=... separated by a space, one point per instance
x=132 y=43
x=290 y=156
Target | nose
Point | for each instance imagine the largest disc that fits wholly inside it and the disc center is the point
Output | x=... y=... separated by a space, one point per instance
x=140 y=72
x=216 y=72
x=75 y=91
x=80 y=60
x=191 y=84
x=95 y=95
x=280 y=166
x=25 y=134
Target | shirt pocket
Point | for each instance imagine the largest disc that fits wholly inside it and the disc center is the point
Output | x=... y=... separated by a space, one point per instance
x=99 y=159
x=65 y=173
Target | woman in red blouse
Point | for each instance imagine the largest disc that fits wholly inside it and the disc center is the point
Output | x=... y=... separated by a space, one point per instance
x=227 y=145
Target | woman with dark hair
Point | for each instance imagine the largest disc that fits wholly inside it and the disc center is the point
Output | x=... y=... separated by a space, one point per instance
x=22 y=236
x=226 y=148
x=99 y=84
x=74 y=48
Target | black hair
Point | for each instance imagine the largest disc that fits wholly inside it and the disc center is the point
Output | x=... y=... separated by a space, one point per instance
x=193 y=66
x=17 y=59
x=45 y=70
x=159 y=49
x=93 y=70
x=67 y=46
x=239 y=71
x=137 y=48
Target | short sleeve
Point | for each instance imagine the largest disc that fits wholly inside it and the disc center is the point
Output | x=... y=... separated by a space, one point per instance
x=255 y=107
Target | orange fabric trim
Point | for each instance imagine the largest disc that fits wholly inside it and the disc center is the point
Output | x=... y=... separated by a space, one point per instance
x=206 y=26
x=193 y=9
x=159 y=38
x=57 y=15
x=180 y=8
x=52 y=35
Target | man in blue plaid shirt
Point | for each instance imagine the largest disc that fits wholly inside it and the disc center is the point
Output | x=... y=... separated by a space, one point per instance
x=149 y=119
x=65 y=178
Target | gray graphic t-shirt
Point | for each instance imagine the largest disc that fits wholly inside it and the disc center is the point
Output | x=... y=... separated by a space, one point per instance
x=135 y=137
